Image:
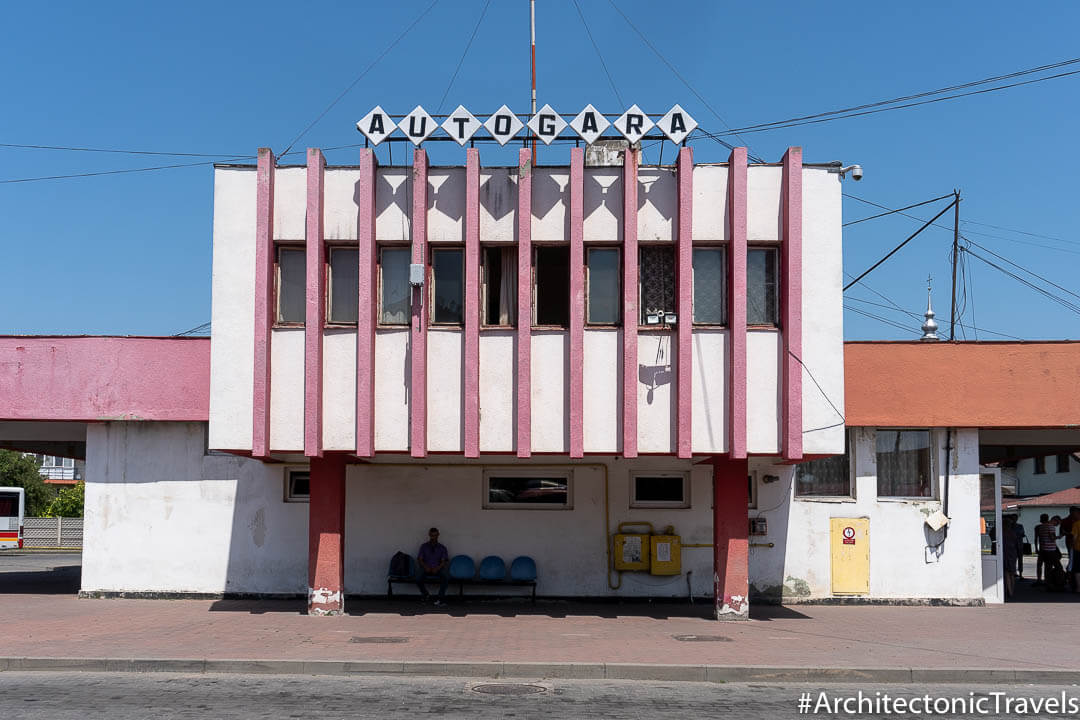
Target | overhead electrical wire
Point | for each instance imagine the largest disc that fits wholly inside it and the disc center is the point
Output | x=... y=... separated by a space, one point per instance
x=119 y=172
x=463 y=54
x=599 y=55
x=1049 y=295
x=117 y=151
x=890 y=212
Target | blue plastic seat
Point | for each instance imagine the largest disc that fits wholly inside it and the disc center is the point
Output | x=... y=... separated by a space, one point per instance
x=492 y=568
x=412 y=569
x=523 y=568
x=462 y=567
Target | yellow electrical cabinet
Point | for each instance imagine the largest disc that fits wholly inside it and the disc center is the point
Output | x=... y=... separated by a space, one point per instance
x=849 y=539
x=631 y=551
x=665 y=554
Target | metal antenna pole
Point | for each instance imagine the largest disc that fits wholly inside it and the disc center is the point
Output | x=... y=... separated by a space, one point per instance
x=955 y=253
x=532 y=33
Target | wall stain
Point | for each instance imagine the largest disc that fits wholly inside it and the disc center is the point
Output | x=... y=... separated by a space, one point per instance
x=258 y=527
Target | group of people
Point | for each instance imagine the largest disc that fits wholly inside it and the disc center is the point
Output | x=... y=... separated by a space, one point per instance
x=1049 y=572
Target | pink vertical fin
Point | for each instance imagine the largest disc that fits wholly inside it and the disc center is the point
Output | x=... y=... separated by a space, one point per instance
x=684 y=435
x=524 y=313
x=791 y=320
x=472 y=303
x=737 y=303
x=630 y=304
x=418 y=320
x=315 y=304
x=264 y=302
x=367 y=305
x=577 y=302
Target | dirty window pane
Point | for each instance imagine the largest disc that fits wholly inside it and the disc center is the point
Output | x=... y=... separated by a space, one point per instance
x=604 y=285
x=394 y=287
x=824 y=477
x=528 y=490
x=710 y=286
x=552 y=278
x=344 y=288
x=761 y=287
x=299 y=485
x=659 y=490
x=903 y=463
x=656 y=278
x=447 y=287
x=292 y=285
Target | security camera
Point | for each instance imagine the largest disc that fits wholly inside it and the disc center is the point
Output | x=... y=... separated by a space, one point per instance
x=855 y=170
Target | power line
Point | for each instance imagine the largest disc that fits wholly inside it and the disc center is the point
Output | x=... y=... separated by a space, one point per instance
x=1021 y=232
x=684 y=81
x=1021 y=267
x=120 y=172
x=890 y=212
x=360 y=77
x=1049 y=295
x=463 y=54
x=117 y=151
x=599 y=55
x=897 y=248
x=872 y=316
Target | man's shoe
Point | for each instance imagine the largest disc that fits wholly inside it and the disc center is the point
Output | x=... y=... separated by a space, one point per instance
x=440 y=603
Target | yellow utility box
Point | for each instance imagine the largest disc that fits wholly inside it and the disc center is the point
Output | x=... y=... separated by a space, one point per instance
x=849 y=539
x=665 y=554
x=631 y=551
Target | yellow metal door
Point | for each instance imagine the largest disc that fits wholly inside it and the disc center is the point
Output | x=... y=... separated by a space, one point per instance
x=850 y=543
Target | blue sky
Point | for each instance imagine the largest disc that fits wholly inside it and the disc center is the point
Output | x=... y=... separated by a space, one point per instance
x=130 y=253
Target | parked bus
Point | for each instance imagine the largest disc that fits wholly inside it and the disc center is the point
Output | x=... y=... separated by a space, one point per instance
x=12 y=508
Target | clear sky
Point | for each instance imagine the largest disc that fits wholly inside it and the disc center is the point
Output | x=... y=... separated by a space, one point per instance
x=130 y=253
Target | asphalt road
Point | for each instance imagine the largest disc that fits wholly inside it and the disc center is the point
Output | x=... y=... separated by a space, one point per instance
x=39 y=572
x=120 y=696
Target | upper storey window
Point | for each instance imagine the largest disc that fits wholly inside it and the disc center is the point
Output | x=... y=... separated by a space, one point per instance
x=291 y=286
x=762 y=286
x=500 y=286
x=447 y=286
x=344 y=285
x=656 y=281
x=394 y=288
x=710 y=286
x=551 y=275
x=604 y=284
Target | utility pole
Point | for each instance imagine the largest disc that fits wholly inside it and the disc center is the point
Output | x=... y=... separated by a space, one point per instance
x=532 y=34
x=955 y=253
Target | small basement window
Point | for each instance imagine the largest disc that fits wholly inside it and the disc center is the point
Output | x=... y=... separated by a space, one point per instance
x=297 y=485
x=344 y=290
x=395 y=292
x=447 y=286
x=540 y=491
x=291 y=285
x=660 y=490
x=500 y=286
x=551 y=278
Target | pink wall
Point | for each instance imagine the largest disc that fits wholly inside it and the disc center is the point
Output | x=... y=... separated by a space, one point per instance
x=104 y=378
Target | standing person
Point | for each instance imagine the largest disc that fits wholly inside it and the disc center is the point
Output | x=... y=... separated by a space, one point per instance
x=1021 y=539
x=1009 y=552
x=432 y=562
x=1046 y=548
x=1069 y=530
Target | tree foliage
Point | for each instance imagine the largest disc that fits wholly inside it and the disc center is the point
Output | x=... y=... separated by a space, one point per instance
x=18 y=470
x=68 y=502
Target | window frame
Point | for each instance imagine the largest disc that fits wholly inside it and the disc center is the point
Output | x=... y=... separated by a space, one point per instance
x=850 y=496
x=328 y=270
x=534 y=251
x=684 y=504
x=486 y=324
x=777 y=300
x=429 y=273
x=663 y=326
x=1058 y=464
x=379 y=287
x=1038 y=465
x=489 y=473
x=278 y=248
x=288 y=495
x=620 y=294
x=725 y=309
x=935 y=484
x=752 y=490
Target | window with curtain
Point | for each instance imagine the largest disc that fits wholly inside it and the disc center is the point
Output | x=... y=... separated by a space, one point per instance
x=394 y=289
x=604 y=271
x=904 y=463
x=344 y=285
x=825 y=477
x=500 y=285
x=447 y=286
x=762 y=287
x=291 y=285
x=656 y=279
x=710 y=286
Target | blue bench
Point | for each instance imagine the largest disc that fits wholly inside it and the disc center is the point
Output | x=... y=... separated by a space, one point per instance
x=463 y=571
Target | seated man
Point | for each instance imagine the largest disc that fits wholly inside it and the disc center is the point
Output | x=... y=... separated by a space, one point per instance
x=432 y=561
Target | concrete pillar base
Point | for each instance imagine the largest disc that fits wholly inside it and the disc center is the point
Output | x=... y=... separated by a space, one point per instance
x=731 y=539
x=326 y=537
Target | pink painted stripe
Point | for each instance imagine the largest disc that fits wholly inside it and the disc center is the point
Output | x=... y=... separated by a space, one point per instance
x=315 y=311
x=368 y=306
x=684 y=437
x=472 y=303
x=418 y=321
x=737 y=303
x=524 y=314
x=577 y=302
x=791 y=251
x=264 y=302
x=630 y=303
